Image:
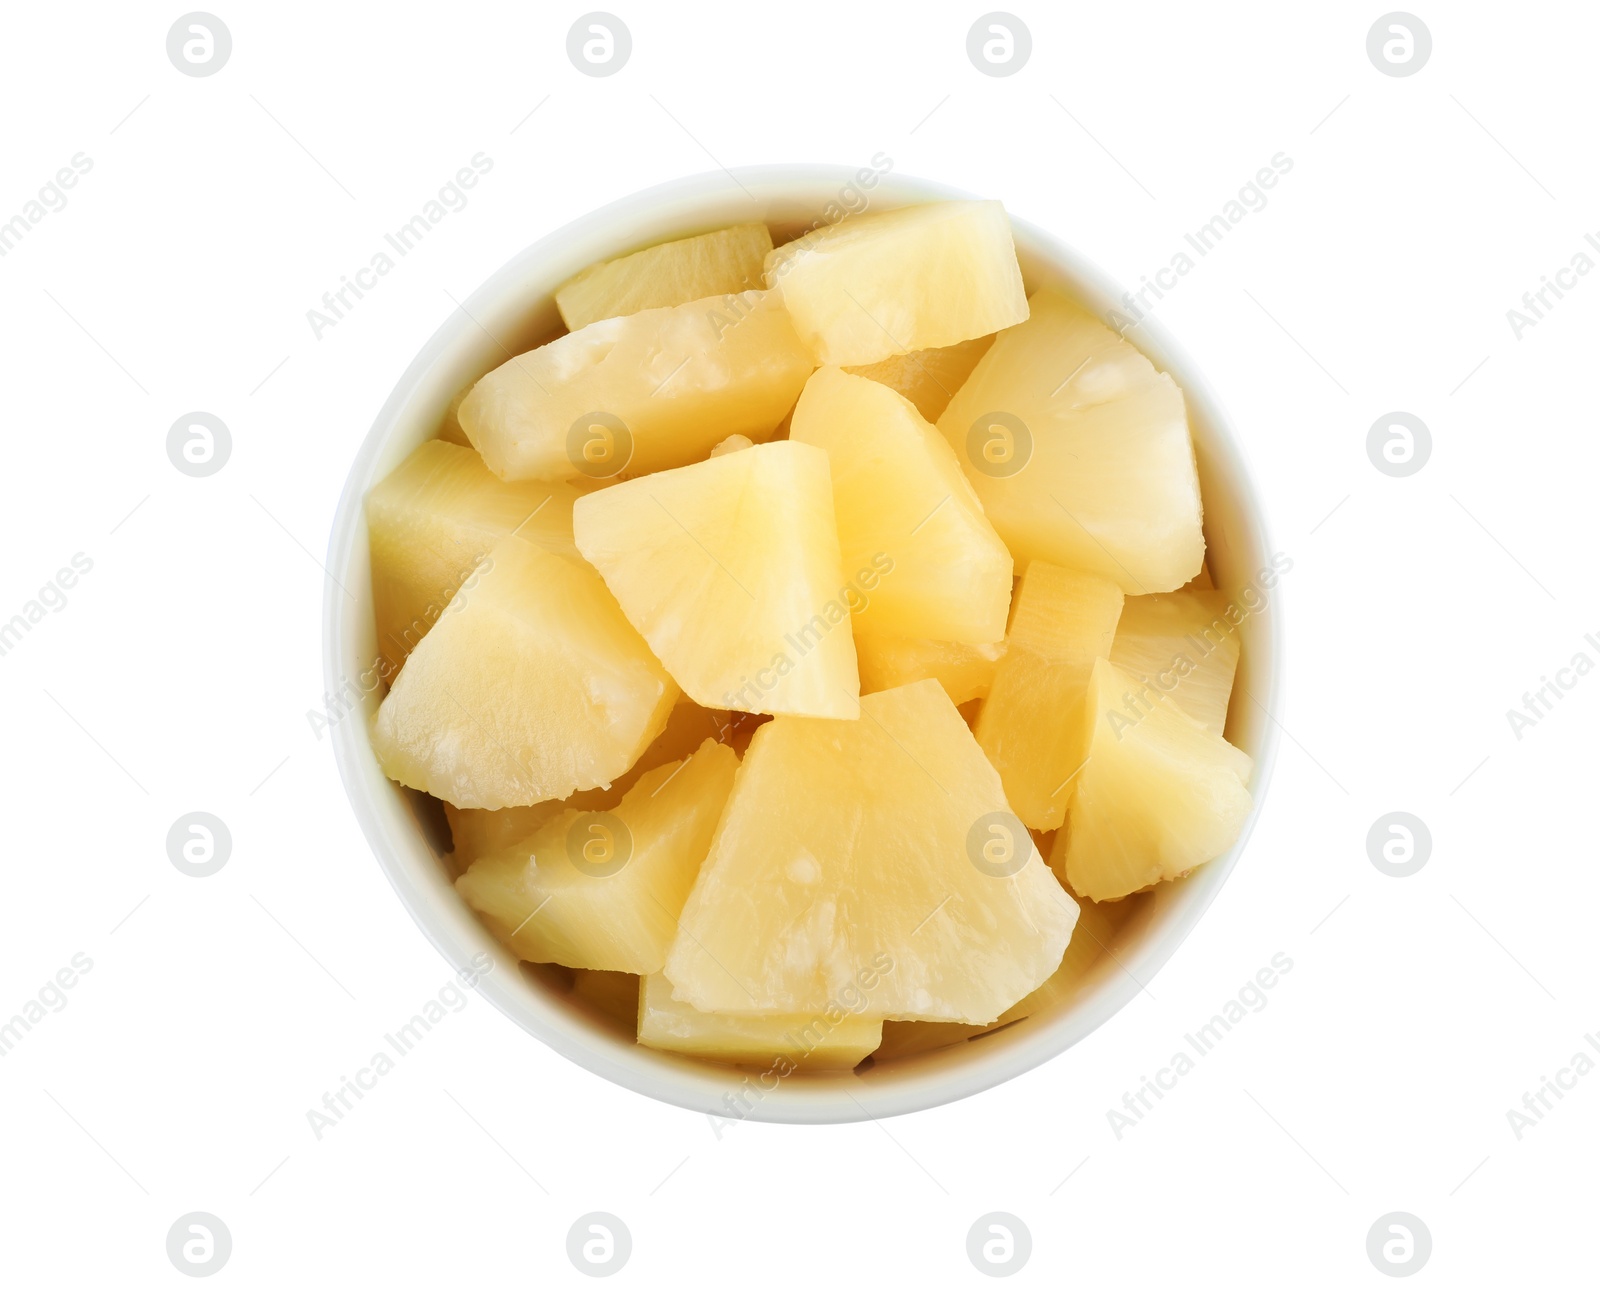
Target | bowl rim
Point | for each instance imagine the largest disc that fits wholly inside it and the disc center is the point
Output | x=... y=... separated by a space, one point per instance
x=723 y=1092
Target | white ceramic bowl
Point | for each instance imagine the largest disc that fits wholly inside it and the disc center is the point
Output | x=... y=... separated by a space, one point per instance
x=514 y=311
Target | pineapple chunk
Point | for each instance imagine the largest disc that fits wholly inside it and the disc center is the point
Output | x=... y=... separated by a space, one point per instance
x=639 y=394
x=928 y=377
x=530 y=686
x=722 y=263
x=475 y=833
x=1159 y=793
x=834 y=1040
x=1080 y=451
x=431 y=520
x=1031 y=725
x=901 y=499
x=730 y=569
x=1182 y=643
x=965 y=671
x=919 y=278
x=603 y=890
x=848 y=863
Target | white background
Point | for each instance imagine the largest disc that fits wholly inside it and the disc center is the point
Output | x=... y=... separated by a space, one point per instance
x=179 y=674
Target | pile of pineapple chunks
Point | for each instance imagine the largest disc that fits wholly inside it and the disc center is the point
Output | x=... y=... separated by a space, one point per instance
x=763 y=633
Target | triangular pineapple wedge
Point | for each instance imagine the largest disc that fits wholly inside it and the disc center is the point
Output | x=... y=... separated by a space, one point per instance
x=1159 y=794
x=730 y=569
x=531 y=686
x=722 y=263
x=627 y=396
x=603 y=889
x=899 y=495
x=1185 y=643
x=1080 y=450
x=874 y=857
x=890 y=282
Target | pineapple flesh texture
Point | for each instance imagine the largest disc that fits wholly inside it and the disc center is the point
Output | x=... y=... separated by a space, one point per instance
x=603 y=890
x=965 y=671
x=860 y=859
x=531 y=686
x=1031 y=725
x=730 y=569
x=924 y=277
x=628 y=396
x=1182 y=643
x=722 y=263
x=928 y=377
x=900 y=498
x=1080 y=451
x=431 y=520
x=475 y=833
x=1159 y=793
x=830 y=1041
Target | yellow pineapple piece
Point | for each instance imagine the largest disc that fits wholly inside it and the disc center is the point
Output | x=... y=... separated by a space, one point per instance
x=431 y=520
x=531 y=686
x=1184 y=644
x=1031 y=725
x=475 y=833
x=722 y=263
x=730 y=569
x=888 y=283
x=642 y=393
x=874 y=857
x=1080 y=451
x=928 y=377
x=836 y=1039
x=966 y=671
x=603 y=890
x=1159 y=793
x=900 y=499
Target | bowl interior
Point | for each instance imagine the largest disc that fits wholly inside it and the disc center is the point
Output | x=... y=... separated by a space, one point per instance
x=513 y=312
